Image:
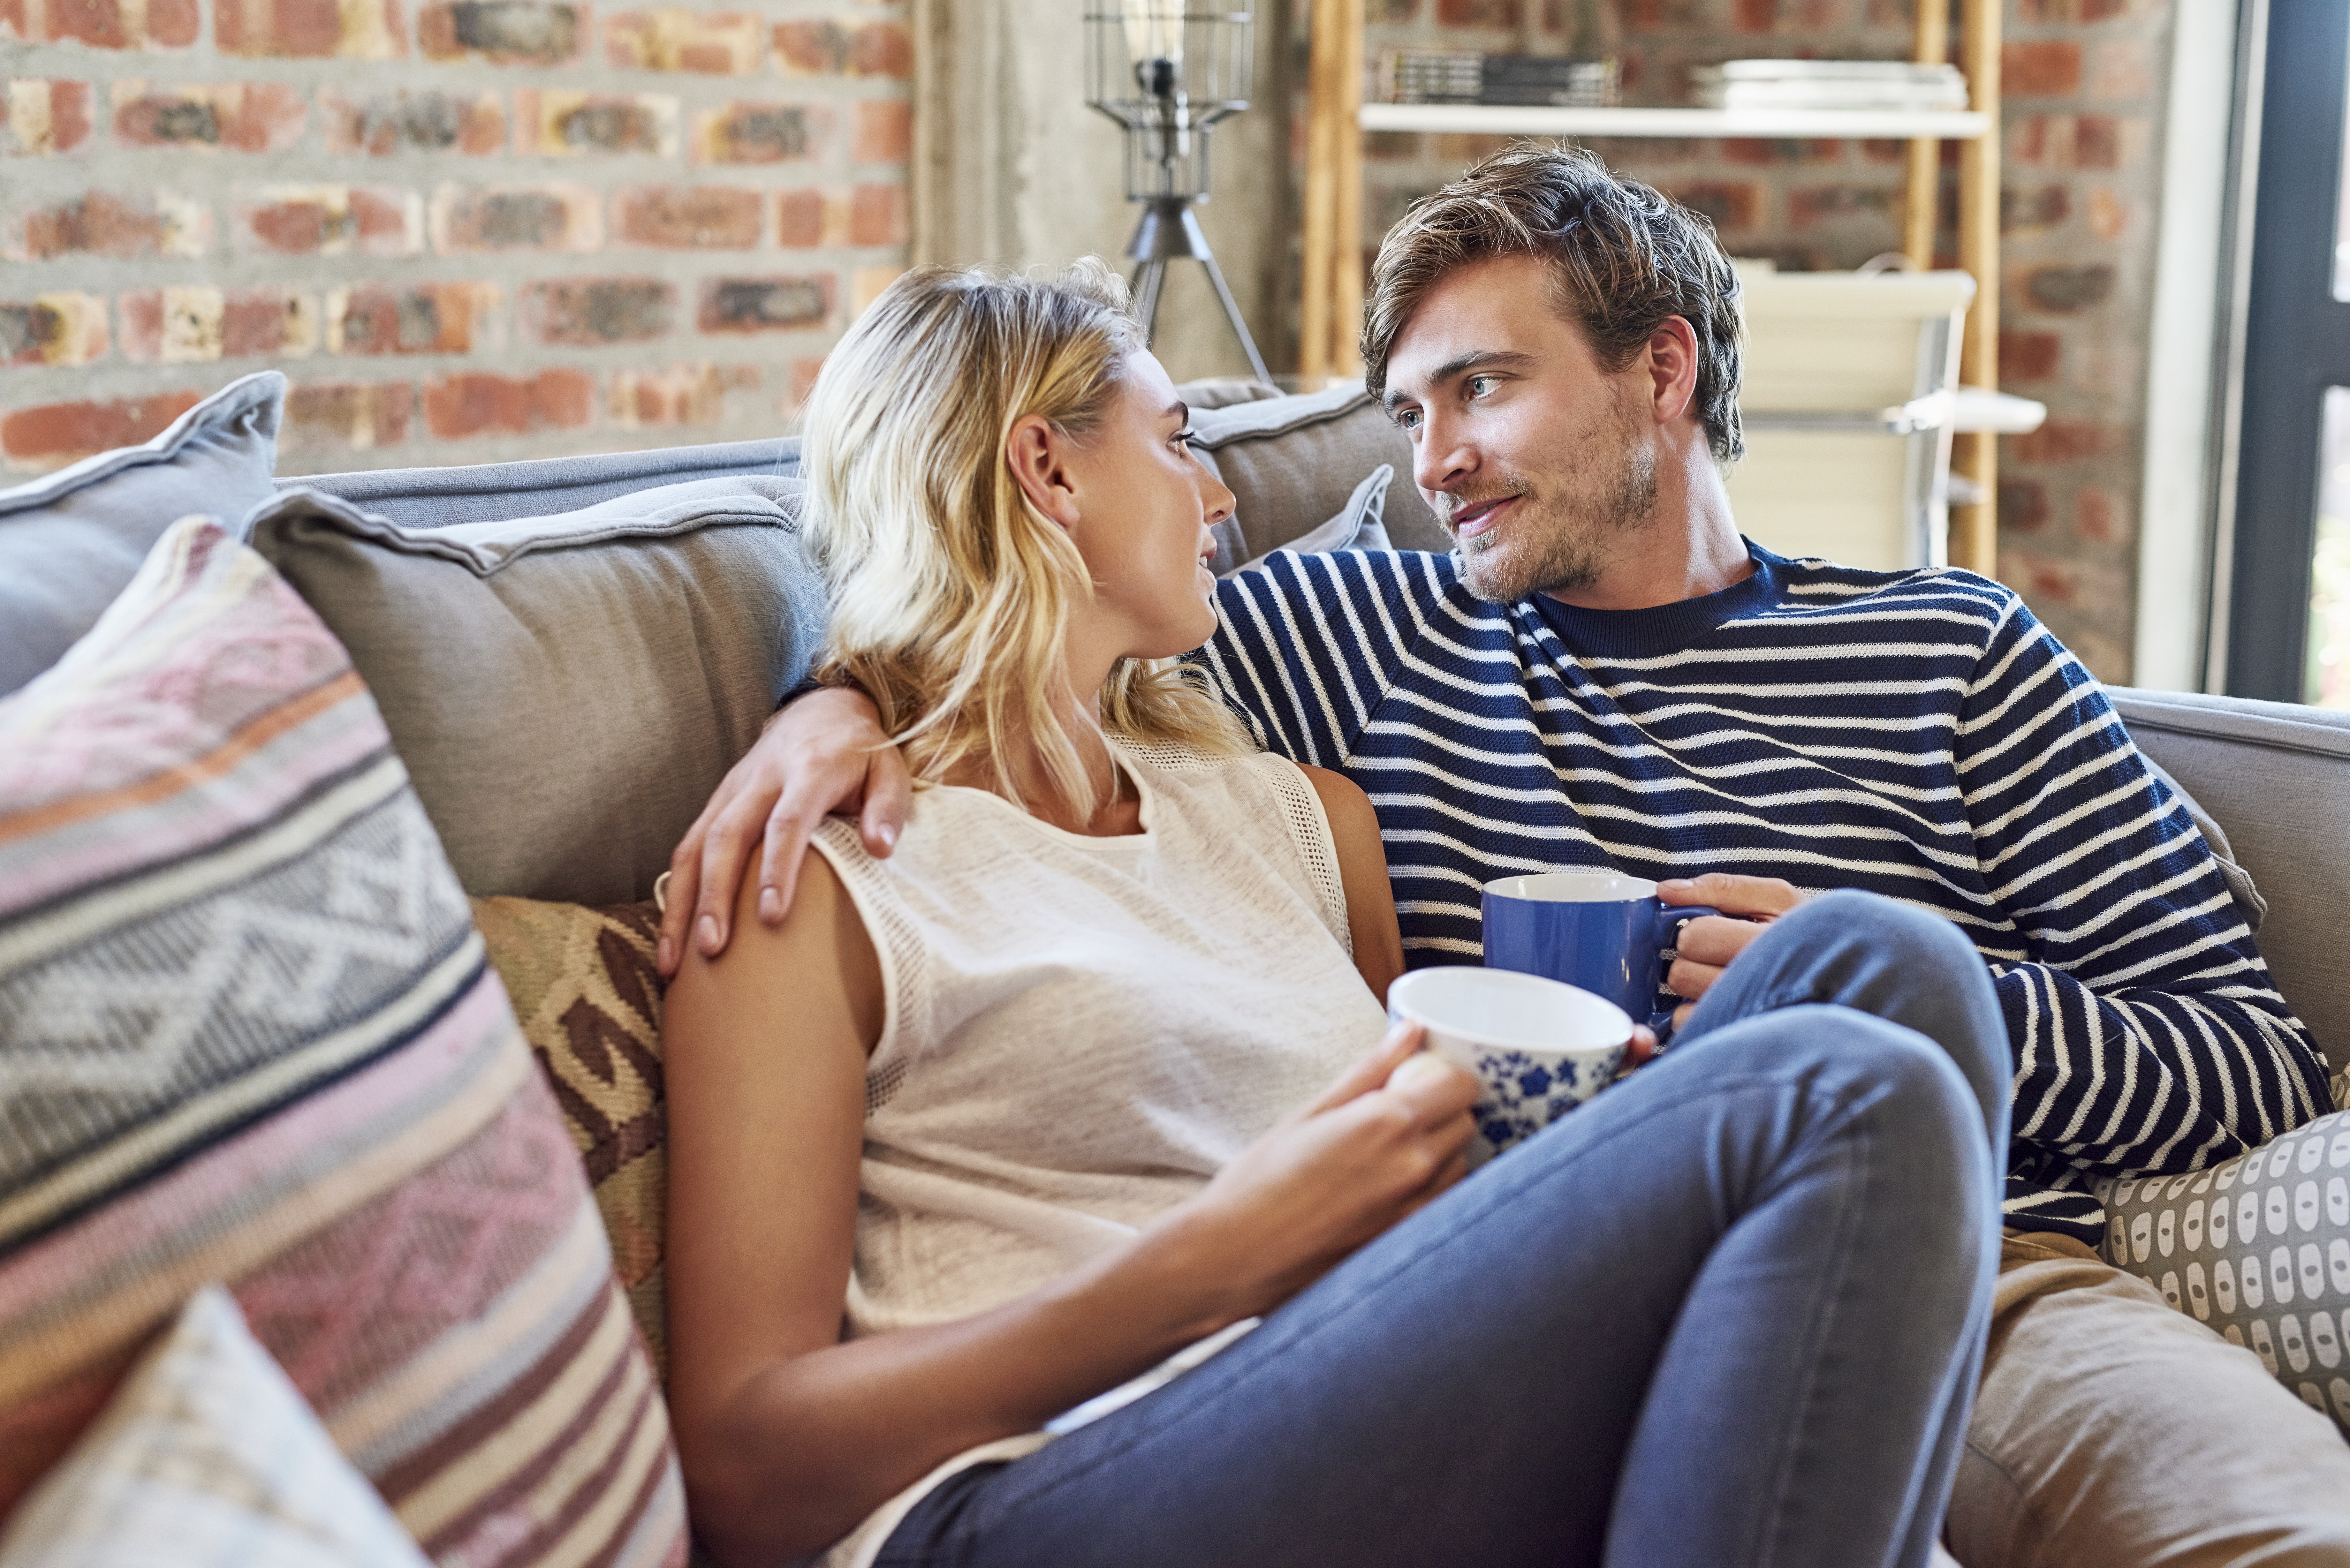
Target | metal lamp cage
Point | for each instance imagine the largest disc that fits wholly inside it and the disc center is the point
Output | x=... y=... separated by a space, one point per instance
x=1168 y=70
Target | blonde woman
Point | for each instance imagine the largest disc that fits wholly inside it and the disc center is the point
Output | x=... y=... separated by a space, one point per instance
x=1052 y=1192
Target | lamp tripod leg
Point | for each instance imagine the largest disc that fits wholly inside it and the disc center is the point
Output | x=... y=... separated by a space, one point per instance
x=1148 y=278
x=1232 y=315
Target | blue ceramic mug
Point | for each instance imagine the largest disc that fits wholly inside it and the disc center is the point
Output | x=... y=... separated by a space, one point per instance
x=1600 y=930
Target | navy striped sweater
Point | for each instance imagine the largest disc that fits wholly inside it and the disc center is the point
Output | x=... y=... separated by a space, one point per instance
x=1915 y=734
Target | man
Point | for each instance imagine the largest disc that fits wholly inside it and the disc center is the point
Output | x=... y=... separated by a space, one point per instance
x=1606 y=674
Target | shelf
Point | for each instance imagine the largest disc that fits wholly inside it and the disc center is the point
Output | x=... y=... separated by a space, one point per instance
x=1490 y=119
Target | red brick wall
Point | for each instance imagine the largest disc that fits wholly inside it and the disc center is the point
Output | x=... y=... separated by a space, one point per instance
x=467 y=230
x=2081 y=127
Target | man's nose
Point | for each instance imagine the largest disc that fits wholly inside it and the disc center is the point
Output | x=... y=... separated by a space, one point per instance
x=1442 y=457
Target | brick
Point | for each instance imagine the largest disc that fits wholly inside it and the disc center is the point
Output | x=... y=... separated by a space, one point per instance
x=591 y=310
x=197 y=323
x=722 y=44
x=2029 y=356
x=329 y=219
x=804 y=375
x=1393 y=146
x=410 y=318
x=877 y=215
x=884 y=132
x=259 y=117
x=2122 y=69
x=310 y=29
x=2039 y=69
x=2069 y=288
x=47 y=117
x=516 y=218
x=764 y=303
x=1879 y=150
x=680 y=395
x=53 y=330
x=2038 y=207
x=100 y=224
x=2061 y=439
x=745 y=132
x=805 y=219
x=456 y=407
x=103 y=23
x=1815 y=204
x=844 y=50
x=387 y=123
x=2023 y=503
x=565 y=124
x=2109 y=215
x=1755 y=15
x=2098 y=516
x=505 y=32
x=1780 y=150
x=694 y=217
x=2076 y=140
x=1730 y=206
x=358 y=416
x=1493 y=15
x=866 y=284
x=55 y=434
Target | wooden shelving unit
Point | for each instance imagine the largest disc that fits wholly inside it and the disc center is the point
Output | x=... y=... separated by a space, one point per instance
x=1332 y=294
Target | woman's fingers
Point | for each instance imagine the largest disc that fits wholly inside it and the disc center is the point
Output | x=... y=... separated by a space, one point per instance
x=888 y=798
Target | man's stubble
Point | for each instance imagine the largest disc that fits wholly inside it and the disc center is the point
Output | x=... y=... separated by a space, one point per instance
x=1567 y=527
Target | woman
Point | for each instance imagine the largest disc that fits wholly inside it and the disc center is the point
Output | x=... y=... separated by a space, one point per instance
x=984 y=1163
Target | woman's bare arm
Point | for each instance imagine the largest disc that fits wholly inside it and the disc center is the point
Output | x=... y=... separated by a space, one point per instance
x=790 y=1436
x=1363 y=870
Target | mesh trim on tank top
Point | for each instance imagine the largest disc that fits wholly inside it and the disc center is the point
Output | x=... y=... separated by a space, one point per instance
x=1309 y=827
x=899 y=946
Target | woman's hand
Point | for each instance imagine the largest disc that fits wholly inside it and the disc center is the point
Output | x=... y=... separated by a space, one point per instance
x=1707 y=944
x=821 y=753
x=1388 y=1137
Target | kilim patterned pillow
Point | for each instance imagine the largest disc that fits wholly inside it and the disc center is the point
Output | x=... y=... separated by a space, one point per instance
x=2259 y=1248
x=584 y=984
x=247 y=1034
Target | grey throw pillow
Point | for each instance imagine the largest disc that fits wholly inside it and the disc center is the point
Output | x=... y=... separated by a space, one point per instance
x=1359 y=525
x=1284 y=459
x=565 y=691
x=70 y=541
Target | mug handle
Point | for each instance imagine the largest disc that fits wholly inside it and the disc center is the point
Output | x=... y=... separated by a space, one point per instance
x=1670 y=918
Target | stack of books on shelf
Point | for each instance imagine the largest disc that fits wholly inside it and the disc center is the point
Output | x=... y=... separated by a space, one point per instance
x=1472 y=75
x=1829 y=84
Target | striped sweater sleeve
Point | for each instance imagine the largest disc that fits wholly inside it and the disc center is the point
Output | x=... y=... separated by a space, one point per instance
x=2147 y=1034
x=1307 y=647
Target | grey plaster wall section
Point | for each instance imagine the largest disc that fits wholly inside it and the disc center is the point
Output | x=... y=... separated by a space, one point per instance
x=1011 y=167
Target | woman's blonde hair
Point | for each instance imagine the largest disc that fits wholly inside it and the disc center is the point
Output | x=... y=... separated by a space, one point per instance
x=950 y=592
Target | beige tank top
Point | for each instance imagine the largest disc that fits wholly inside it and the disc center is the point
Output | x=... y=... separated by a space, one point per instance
x=1081 y=1032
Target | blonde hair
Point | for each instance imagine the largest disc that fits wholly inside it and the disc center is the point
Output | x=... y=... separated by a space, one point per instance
x=950 y=592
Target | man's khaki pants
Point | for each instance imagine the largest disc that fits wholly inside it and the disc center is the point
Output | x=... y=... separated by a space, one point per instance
x=2112 y=1431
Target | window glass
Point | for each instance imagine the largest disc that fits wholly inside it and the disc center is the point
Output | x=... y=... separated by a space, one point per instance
x=2327 y=683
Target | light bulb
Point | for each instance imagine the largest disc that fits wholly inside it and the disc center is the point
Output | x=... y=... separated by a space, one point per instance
x=1154 y=42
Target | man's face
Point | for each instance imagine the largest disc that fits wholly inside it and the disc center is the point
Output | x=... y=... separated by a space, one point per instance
x=1536 y=460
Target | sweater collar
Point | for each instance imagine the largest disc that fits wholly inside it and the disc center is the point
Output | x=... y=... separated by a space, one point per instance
x=1663 y=628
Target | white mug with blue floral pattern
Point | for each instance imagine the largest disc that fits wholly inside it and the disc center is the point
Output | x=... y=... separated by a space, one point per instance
x=1540 y=1047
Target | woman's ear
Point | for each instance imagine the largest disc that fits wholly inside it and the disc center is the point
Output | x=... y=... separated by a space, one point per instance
x=1038 y=456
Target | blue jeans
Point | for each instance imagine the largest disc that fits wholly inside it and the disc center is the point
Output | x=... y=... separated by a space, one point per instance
x=1729 y=1311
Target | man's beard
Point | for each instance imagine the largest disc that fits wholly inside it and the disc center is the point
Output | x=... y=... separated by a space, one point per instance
x=1559 y=543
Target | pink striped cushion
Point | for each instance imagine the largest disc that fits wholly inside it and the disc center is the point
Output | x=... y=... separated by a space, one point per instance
x=247 y=1034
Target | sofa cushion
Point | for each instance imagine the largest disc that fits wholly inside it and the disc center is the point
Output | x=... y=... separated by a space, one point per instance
x=1359 y=525
x=2276 y=777
x=1291 y=463
x=207 y=1457
x=567 y=690
x=69 y=541
x=496 y=491
x=247 y=1034
x=584 y=984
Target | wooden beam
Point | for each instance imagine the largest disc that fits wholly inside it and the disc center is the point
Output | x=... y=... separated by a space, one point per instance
x=1922 y=200
x=1325 y=131
x=1347 y=239
x=1974 y=530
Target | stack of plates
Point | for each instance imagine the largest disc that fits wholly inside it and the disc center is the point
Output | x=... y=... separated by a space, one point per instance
x=1829 y=84
x=1472 y=75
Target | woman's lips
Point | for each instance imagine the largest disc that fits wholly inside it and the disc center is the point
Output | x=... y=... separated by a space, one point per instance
x=1477 y=519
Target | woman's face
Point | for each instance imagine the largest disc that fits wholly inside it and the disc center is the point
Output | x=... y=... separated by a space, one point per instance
x=1146 y=504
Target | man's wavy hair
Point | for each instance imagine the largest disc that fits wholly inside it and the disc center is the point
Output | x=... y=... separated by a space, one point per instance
x=1622 y=257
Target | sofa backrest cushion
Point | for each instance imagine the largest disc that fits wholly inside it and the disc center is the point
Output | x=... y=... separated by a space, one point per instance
x=1292 y=463
x=496 y=491
x=247 y=1034
x=567 y=690
x=70 y=540
x=2276 y=777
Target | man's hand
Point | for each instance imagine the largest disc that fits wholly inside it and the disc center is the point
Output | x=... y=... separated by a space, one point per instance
x=822 y=754
x=1708 y=943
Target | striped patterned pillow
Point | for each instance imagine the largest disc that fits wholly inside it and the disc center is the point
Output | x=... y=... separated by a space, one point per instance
x=247 y=1034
